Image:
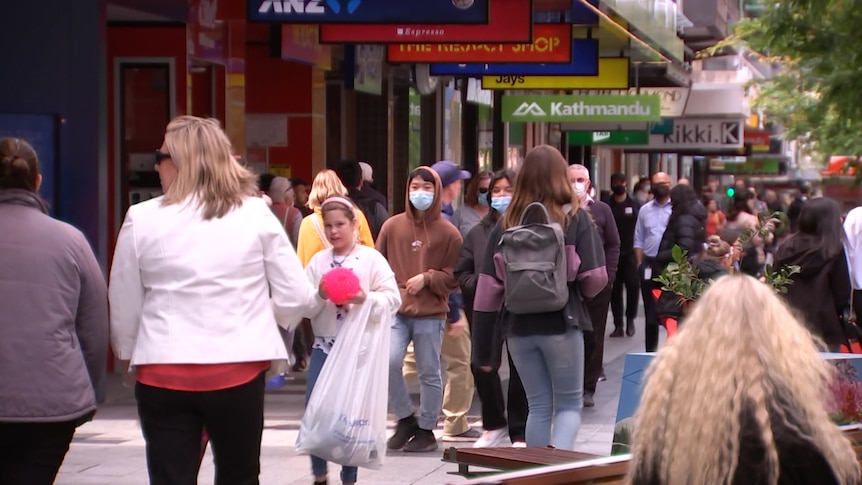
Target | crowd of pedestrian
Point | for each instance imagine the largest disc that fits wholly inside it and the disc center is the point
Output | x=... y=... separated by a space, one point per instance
x=222 y=286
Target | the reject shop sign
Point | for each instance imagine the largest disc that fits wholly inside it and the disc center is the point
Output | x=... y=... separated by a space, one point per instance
x=551 y=43
x=700 y=134
x=508 y=21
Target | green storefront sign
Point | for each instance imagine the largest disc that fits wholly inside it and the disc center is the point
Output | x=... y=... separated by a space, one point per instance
x=757 y=166
x=608 y=138
x=581 y=108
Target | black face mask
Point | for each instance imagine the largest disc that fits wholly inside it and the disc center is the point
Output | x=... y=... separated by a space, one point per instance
x=619 y=189
x=661 y=191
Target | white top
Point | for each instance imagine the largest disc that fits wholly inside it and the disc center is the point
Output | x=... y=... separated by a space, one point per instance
x=375 y=276
x=853 y=246
x=186 y=290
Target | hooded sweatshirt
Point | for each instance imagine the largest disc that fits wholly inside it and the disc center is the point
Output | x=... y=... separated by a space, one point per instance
x=821 y=290
x=424 y=244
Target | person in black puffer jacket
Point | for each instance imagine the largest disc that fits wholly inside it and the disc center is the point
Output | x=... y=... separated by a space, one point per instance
x=686 y=226
x=821 y=290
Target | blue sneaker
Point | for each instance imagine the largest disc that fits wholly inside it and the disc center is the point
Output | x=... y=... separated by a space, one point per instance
x=274 y=383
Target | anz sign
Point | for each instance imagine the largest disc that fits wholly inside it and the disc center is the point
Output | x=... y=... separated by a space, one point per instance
x=311 y=7
x=369 y=11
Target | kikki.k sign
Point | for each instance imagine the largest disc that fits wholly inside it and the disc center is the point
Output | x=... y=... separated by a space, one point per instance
x=369 y=11
x=551 y=43
x=508 y=21
x=580 y=108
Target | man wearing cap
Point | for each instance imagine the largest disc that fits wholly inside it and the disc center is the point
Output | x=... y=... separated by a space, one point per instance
x=367 y=189
x=458 y=393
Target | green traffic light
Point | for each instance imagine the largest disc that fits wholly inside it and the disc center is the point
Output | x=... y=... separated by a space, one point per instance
x=730 y=191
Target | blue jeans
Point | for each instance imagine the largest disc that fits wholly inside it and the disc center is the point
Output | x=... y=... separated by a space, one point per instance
x=318 y=465
x=427 y=337
x=552 y=371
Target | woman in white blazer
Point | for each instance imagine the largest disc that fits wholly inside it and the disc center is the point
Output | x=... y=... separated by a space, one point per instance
x=191 y=311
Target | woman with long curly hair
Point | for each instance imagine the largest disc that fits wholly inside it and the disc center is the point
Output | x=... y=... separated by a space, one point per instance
x=738 y=397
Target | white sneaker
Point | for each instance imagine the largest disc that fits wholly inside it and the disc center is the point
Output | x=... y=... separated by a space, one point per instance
x=519 y=444
x=493 y=438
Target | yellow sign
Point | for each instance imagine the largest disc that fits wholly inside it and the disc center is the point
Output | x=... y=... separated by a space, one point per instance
x=613 y=74
x=280 y=171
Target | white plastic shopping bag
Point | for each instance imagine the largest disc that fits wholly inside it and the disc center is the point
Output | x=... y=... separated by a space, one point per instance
x=345 y=419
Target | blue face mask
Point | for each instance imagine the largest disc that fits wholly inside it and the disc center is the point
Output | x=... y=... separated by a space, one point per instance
x=421 y=200
x=500 y=204
x=483 y=199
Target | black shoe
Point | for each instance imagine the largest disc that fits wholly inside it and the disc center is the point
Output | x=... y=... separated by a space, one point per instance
x=422 y=442
x=630 y=328
x=404 y=430
x=618 y=331
x=589 y=401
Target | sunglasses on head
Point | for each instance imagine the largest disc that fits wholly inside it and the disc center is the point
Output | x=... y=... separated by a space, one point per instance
x=159 y=156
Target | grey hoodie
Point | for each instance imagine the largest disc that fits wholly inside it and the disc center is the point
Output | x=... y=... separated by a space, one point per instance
x=53 y=315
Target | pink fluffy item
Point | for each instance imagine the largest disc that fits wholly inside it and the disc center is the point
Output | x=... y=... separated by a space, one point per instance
x=340 y=284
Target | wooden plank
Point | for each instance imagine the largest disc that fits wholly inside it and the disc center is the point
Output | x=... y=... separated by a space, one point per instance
x=593 y=471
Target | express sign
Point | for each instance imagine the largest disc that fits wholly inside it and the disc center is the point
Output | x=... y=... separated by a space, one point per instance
x=508 y=21
x=551 y=43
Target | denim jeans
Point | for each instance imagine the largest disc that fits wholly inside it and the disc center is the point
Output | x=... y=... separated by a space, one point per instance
x=552 y=371
x=427 y=337
x=318 y=465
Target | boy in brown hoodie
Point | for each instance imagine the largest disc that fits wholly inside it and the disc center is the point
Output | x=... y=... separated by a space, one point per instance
x=422 y=249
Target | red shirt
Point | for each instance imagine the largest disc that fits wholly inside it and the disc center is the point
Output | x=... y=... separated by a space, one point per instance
x=199 y=377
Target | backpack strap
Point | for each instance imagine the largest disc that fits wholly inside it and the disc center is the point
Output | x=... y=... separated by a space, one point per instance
x=531 y=205
x=315 y=219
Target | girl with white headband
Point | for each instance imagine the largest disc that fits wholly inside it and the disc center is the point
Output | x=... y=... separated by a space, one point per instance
x=376 y=281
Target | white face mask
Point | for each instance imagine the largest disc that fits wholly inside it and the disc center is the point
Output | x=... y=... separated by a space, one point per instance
x=580 y=189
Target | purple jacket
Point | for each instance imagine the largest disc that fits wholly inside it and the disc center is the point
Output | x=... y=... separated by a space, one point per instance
x=54 y=317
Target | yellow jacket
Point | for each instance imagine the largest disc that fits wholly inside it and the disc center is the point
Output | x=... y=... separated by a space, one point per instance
x=309 y=240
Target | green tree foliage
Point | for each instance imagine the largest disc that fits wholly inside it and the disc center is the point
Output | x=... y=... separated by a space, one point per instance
x=817 y=95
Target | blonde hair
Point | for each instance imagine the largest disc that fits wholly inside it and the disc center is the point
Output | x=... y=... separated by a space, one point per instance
x=325 y=185
x=716 y=249
x=741 y=353
x=206 y=168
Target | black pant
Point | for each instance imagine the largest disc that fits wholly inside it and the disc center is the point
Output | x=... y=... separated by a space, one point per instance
x=627 y=277
x=650 y=315
x=490 y=391
x=31 y=453
x=594 y=342
x=172 y=423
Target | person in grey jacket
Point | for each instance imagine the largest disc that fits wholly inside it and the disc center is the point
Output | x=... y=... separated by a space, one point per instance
x=53 y=325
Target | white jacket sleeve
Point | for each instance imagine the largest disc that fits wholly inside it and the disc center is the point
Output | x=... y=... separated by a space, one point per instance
x=292 y=294
x=384 y=284
x=314 y=276
x=126 y=291
x=853 y=244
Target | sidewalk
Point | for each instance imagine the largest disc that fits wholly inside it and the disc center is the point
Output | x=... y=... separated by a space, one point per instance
x=110 y=449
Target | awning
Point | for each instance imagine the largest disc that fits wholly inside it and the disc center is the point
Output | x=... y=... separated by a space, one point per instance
x=838 y=166
x=716 y=99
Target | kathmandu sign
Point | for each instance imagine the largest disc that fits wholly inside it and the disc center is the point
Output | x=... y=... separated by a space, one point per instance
x=581 y=108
